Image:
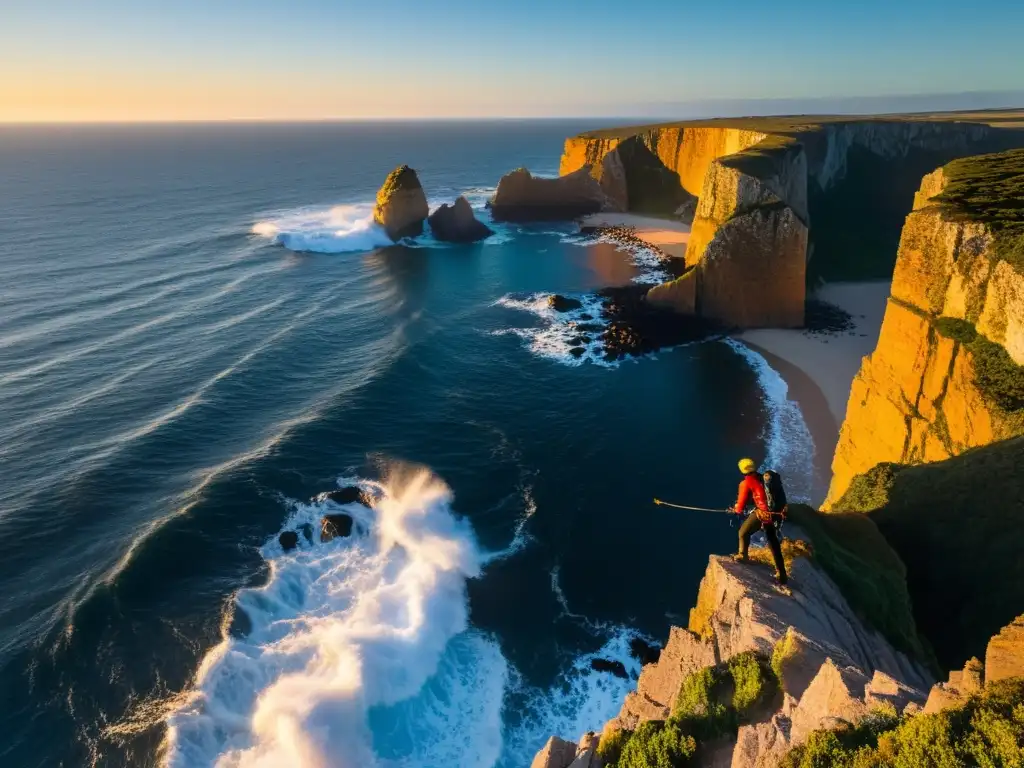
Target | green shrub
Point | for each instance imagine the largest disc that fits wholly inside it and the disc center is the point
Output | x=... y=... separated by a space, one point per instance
x=783 y=650
x=610 y=747
x=987 y=731
x=657 y=744
x=956 y=329
x=752 y=680
x=699 y=706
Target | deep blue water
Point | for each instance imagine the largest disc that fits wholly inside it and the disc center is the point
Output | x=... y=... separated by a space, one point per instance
x=176 y=384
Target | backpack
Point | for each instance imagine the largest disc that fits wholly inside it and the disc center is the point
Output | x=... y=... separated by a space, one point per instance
x=774 y=493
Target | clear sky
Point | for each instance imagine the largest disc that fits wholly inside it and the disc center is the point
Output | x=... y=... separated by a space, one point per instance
x=308 y=59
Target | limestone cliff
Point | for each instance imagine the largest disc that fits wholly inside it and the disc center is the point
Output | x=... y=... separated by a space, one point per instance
x=924 y=394
x=732 y=167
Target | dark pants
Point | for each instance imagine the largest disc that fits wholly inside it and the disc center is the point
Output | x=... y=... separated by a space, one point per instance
x=751 y=526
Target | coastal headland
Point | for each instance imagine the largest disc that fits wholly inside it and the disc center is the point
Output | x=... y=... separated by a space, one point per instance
x=878 y=263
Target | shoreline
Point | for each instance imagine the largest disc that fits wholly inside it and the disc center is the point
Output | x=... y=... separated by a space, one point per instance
x=665 y=235
x=819 y=368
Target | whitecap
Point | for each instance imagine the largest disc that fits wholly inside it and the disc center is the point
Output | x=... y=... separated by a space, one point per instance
x=789 y=447
x=341 y=229
x=351 y=642
x=552 y=338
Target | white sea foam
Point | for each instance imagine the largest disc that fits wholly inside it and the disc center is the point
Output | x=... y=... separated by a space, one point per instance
x=551 y=339
x=648 y=260
x=788 y=442
x=341 y=229
x=580 y=700
x=351 y=639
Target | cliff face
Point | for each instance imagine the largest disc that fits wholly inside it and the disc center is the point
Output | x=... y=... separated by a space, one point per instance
x=734 y=169
x=921 y=395
x=686 y=152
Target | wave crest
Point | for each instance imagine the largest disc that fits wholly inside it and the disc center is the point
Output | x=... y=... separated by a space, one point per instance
x=341 y=229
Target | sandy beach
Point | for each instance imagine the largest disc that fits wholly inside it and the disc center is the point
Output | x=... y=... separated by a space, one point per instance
x=668 y=235
x=819 y=367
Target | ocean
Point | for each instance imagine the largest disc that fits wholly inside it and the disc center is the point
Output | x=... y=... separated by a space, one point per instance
x=201 y=330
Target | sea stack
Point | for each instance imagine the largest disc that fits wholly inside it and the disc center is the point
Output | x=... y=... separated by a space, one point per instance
x=522 y=196
x=401 y=205
x=457 y=223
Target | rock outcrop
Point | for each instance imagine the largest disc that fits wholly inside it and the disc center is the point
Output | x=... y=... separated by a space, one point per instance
x=401 y=204
x=523 y=197
x=919 y=396
x=457 y=224
x=833 y=668
x=1004 y=659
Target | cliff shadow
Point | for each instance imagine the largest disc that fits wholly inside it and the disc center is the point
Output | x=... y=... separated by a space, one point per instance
x=955 y=525
x=653 y=187
x=856 y=224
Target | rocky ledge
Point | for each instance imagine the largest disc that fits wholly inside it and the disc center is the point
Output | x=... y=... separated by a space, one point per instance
x=831 y=668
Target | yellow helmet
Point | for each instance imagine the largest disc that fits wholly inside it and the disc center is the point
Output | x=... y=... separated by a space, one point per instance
x=747 y=466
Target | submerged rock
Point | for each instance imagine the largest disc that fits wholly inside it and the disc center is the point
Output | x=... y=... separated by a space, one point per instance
x=457 y=223
x=524 y=197
x=616 y=668
x=401 y=204
x=333 y=526
x=349 y=495
x=563 y=303
x=288 y=540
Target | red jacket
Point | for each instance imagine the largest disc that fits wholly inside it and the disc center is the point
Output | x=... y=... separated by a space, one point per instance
x=753 y=487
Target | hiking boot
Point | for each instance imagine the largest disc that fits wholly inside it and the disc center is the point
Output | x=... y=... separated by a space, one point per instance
x=741 y=558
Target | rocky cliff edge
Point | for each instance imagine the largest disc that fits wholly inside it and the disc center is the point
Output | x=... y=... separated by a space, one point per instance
x=832 y=668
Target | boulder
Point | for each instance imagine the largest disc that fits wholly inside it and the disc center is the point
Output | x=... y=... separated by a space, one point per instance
x=943 y=696
x=1004 y=656
x=457 y=223
x=557 y=753
x=332 y=526
x=524 y=197
x=832 y=699
x=616 y=668
x=563 y=303
x=401 y=204
x=586 y=752
x=288 y=540
x=350 y=495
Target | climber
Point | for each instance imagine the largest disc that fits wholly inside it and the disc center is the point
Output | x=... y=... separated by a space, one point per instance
x=765 y=516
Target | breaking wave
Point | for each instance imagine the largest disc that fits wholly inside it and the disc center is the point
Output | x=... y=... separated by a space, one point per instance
x=352 y=638
x=360 y=654
x=341 y=229
x=570 y=338
x=789 y=447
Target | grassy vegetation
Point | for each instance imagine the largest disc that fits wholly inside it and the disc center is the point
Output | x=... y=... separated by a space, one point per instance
x=987 y=731
x=871 y=576
x=954 y=524
x=990 y=189
x=999 y=379
x=1010 y=118
x=712 y=703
